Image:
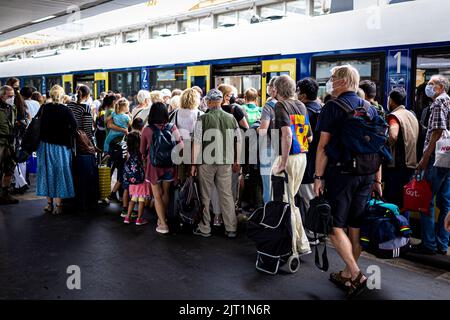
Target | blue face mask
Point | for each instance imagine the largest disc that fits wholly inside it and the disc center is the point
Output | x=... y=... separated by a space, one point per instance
x=429 y=91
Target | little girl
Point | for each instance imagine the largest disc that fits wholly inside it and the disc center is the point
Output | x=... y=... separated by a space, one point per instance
x=134 y=174
x=120 y=118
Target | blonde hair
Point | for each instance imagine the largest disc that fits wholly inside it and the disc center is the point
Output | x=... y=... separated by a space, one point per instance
x=156 y=96
x=57 y=94
x=121 y=104
x=66 y=99
x=349 y=74
x=251 y=94
x=190 y=99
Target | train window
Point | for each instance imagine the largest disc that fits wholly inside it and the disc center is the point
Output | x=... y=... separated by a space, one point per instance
x=332 y=6
x=206 y=23
x=242 y=77
x=245 y=16
x=189 y=26
x=227 y=19
x=168 y=79
x=52 y=81
x=295 y=8
x=157 y=31
x=273 y=10
x=427 y=65
x=127 y=83
x=369 y=69
x=34 y=82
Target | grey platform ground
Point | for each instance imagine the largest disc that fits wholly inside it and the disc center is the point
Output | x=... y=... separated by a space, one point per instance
x=129 y=262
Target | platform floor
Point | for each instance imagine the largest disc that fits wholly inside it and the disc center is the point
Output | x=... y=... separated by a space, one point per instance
x=128 y=262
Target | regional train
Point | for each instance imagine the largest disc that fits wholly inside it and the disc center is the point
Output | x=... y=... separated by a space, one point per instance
x=397 y=45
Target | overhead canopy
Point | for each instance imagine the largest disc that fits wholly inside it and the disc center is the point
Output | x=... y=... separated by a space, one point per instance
x=20 y=17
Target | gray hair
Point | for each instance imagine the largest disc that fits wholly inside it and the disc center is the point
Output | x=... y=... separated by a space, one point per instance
x=4 y=89
x=442 y=81
x=272 y=81
x=142 y=96
x=285 y=86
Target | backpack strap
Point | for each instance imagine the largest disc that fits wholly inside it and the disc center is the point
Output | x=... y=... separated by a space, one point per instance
x=344 y=106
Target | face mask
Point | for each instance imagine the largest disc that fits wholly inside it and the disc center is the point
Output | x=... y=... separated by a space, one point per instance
x=10 y=101
x=330 y=87
x=232 y=99
x=429 y=91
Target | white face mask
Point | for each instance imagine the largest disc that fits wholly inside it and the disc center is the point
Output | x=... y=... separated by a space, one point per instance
x=329 y=87
x=10 y=101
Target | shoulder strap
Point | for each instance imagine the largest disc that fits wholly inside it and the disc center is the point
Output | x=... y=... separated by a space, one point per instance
x=137 y=114
x=344 y=106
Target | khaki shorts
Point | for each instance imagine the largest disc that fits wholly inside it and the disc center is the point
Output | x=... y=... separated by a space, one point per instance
x=7 y=163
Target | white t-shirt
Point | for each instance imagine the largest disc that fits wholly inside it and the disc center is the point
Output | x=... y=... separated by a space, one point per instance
x=33 y=107
x=185 y=120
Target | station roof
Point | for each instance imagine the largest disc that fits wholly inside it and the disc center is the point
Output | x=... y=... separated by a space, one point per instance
x=39 y=20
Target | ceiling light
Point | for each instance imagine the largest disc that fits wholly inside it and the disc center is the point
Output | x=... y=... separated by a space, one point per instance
x=43 y=19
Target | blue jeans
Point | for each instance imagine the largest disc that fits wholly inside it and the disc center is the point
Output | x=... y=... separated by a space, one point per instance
x=436 y=236
x=267 y=157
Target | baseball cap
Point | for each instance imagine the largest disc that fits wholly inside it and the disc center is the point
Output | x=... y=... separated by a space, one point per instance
x=214 y=95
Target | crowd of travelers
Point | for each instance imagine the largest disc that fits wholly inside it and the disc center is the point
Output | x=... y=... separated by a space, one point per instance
x=77 y=133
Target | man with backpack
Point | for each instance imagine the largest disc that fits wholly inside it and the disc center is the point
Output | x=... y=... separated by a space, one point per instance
x=250 y=107
x=348 y=175
x=213 y=158
x=370 y=91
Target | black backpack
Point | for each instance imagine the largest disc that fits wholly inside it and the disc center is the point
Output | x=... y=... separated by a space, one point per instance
x=320 y=221
x=362 y=142
x=162 y=146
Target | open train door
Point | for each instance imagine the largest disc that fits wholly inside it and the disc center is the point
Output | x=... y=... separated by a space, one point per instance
x=199 y=76
x=273 y=68
x=68 y=83
x=101 y=83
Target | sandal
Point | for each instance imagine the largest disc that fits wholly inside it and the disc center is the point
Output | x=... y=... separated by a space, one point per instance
x=49 y=208
x=340 y=281
x=357 y=287
x=59 y=210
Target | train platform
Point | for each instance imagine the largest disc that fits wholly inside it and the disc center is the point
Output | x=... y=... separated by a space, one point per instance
x=120 y=261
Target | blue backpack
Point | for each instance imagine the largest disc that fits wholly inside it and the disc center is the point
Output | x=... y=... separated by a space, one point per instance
x=362 y=143
x=162 y=146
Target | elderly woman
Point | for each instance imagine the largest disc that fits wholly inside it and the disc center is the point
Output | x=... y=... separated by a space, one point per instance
x=143 y=109
x=54 y=174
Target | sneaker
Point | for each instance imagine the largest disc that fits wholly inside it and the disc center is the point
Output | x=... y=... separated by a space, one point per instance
x=218 y=220
x=439 y=251
x=313 y=242
x=134 y=214
x=162 y=229
x=421 y=249
x=126 y=220
x=124 y=213
x=198 y=232
x=231 y=234
x=141 y=222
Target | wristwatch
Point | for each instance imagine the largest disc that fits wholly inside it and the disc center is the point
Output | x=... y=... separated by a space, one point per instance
x=318 y=177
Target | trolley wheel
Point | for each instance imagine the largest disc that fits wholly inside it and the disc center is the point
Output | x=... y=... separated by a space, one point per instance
x=293 y=264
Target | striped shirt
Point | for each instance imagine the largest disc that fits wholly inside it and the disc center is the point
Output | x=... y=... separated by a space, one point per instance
x=83 y=117
x=439 y=116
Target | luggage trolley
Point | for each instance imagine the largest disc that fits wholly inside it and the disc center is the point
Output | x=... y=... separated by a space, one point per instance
x=272 y=228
